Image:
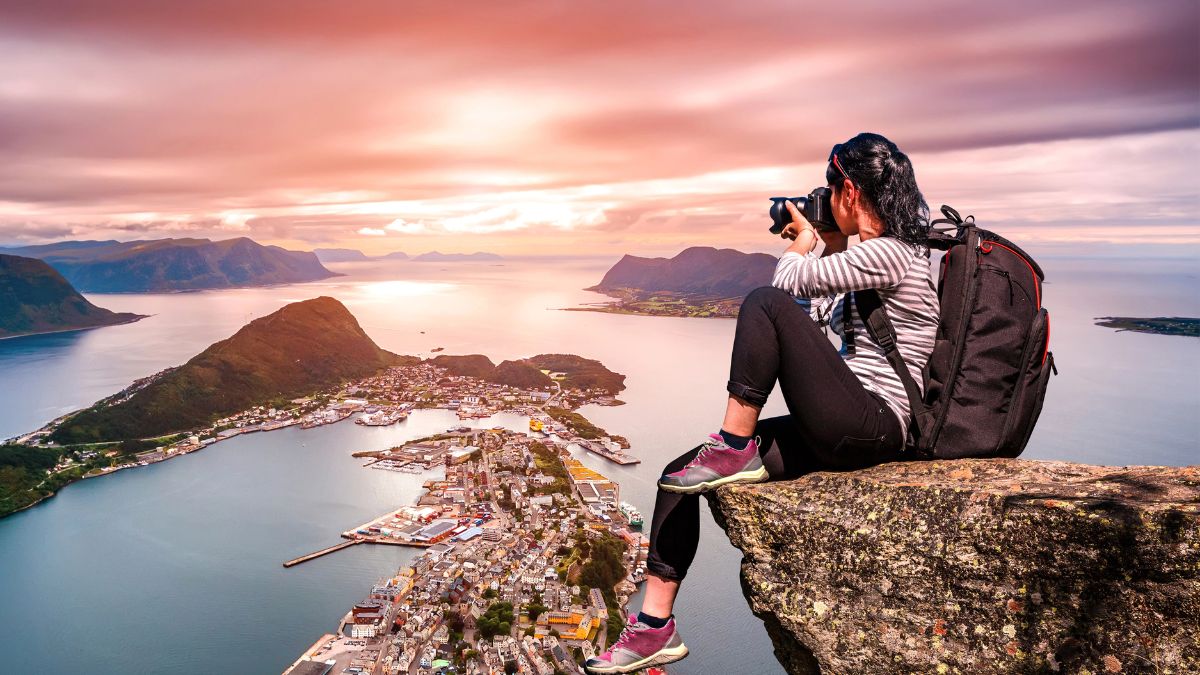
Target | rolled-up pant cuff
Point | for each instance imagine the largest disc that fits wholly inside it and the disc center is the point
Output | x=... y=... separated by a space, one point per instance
x=755 y=397
x=660 y=569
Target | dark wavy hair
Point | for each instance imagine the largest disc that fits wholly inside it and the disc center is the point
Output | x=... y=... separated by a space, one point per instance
x=885 y=175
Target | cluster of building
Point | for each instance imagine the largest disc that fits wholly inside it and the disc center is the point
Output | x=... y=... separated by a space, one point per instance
x=386 y=398
x=507 y=529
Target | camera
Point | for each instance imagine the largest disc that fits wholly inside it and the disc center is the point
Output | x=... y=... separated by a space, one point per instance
x=815 y=208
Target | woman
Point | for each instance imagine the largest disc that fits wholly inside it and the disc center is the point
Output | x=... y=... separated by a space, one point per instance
x=848 y=408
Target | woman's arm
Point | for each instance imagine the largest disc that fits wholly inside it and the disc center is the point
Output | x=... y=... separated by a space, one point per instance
x=877 y=263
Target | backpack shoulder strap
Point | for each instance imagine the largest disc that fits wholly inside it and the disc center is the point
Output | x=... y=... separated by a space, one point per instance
x=870 y=308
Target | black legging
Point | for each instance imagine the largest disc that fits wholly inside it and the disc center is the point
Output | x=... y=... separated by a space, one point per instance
x=835 y=423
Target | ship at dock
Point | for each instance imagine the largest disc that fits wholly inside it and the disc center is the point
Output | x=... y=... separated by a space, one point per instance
x=632 y=515
x=607 y=452
x=385 y=417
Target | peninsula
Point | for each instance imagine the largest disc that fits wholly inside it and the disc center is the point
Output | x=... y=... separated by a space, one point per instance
x=698 y=282
x=1161 y=325
x=308 y=364
x=529 y=556
x=34 y=298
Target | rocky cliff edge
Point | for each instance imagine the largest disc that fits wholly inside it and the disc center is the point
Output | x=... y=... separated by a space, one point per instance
x=974 y=566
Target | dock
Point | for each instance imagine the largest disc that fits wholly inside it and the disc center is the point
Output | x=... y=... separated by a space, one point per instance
x=324 y=551
x=597 y=448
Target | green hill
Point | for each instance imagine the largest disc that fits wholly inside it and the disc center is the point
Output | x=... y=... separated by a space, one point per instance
x=34 y=298
x=466 y=365
x=521 y=375
x=580 y=373
x=302 y=348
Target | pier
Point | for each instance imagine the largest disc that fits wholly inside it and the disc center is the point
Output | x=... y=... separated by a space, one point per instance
x=324 y=551
x=597 y=448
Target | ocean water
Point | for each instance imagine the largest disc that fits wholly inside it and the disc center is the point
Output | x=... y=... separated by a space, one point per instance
x=176 y=567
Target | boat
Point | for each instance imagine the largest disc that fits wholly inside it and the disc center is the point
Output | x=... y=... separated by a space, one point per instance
x=632 y=515
x=383 y=418
x=535 y=424
x=606 y=452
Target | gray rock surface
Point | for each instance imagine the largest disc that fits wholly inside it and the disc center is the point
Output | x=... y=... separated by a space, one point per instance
x=974 y=566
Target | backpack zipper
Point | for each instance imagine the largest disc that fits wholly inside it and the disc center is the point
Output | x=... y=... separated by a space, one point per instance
x=986 y=247
x=1007 y=277
x=1018 y=394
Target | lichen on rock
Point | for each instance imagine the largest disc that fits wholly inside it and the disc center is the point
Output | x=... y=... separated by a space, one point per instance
x=974 y=566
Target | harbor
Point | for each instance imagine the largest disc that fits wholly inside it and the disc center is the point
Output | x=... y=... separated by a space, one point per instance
x=512 y=523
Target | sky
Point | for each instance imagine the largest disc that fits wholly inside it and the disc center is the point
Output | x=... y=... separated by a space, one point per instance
x=585 y=127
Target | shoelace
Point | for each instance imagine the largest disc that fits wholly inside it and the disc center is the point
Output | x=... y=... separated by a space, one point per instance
x=711 y=443
x=705 y=447
x=627 y=631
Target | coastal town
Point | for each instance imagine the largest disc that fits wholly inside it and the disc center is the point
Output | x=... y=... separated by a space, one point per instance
x=527 y=555
x=529 y=558
x=381 y=400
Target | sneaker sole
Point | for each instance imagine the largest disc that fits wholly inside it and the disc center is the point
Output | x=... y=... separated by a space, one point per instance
x=757 y=476
x=660 y=658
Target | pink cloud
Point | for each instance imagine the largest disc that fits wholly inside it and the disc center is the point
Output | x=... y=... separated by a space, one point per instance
x=309 y=123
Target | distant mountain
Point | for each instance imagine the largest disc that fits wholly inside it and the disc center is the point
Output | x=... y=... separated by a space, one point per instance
x=699 y=270
x=337 y=255
x=394 y=255
x=175 y=264
x=435 y=256
x=304 y=347
x=34 y=298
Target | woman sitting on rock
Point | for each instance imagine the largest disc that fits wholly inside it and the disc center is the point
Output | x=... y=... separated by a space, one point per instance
x=848 y=408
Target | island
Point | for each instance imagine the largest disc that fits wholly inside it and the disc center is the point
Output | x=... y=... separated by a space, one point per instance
x=339 y=255
x=159 y=265
x=700 y=282
x=35 y=298
x=1161 y=325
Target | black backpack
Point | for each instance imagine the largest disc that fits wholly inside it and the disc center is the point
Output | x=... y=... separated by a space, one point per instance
x=986 y=379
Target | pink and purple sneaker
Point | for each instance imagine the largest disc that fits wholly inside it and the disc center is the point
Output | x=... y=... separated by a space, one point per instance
x=638 y=647
x=716 y=464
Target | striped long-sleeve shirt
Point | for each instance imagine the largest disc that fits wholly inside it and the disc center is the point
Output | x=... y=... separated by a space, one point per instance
x=902 y=275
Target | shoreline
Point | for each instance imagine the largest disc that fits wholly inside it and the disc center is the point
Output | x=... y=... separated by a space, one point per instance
x=617 y=309
x=307 y=420
x=76 y=330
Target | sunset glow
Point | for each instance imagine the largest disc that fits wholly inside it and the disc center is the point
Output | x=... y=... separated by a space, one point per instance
x=583 y=127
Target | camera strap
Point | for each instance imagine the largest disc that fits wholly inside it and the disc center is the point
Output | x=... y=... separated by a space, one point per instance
x=848 y=332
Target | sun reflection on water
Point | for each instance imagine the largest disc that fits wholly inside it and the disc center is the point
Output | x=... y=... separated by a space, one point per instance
x=400 y=288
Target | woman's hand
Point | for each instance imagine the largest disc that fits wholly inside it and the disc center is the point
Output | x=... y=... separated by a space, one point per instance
x=835 y=241
x=800 y=230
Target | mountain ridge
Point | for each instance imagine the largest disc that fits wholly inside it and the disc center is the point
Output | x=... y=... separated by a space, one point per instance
x=184 y=264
